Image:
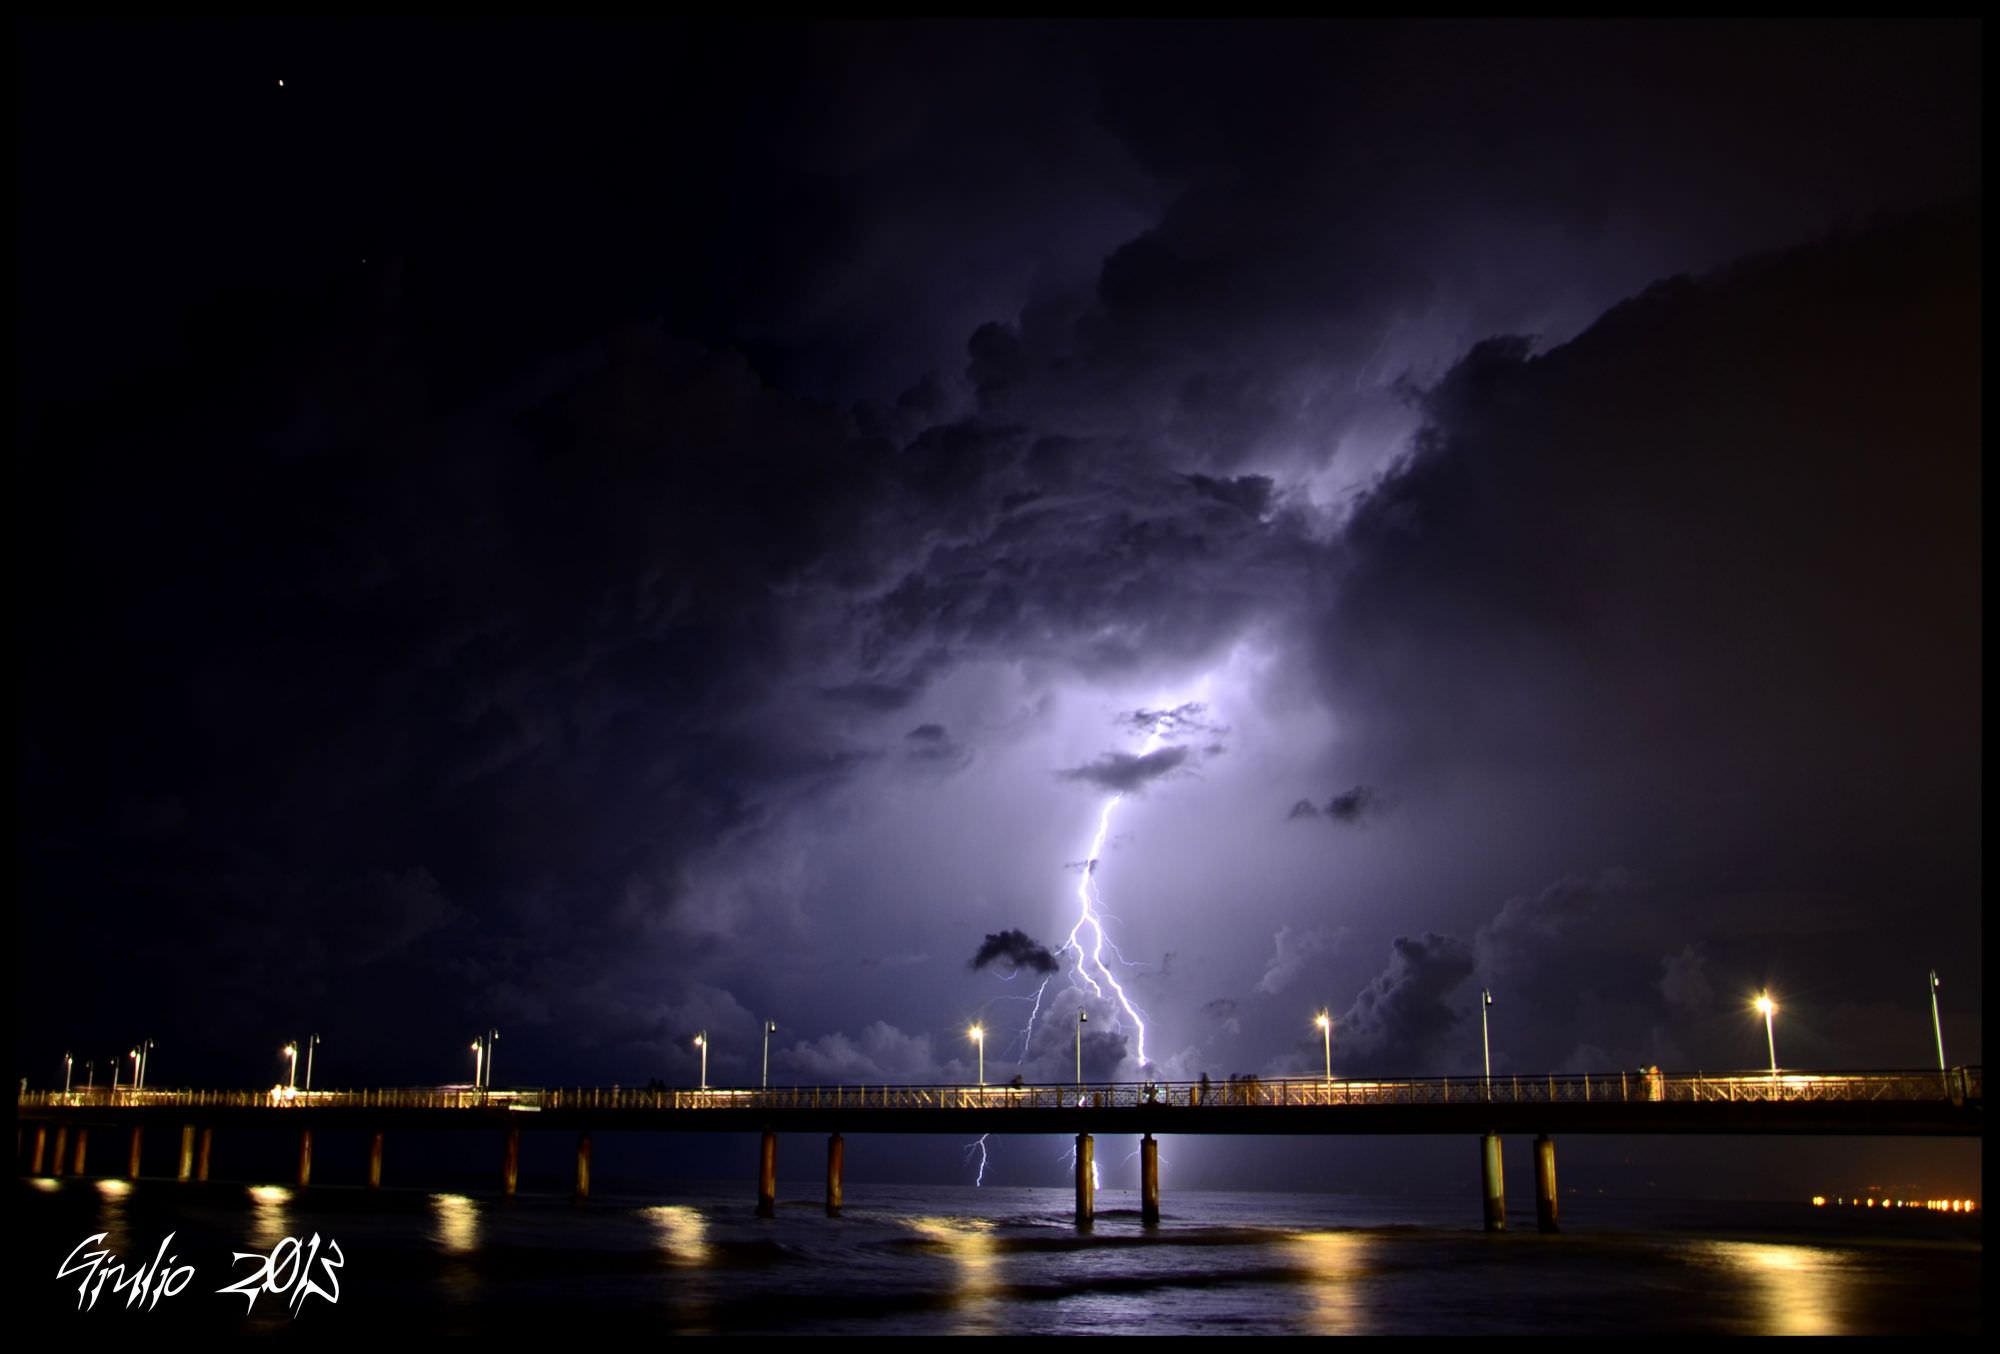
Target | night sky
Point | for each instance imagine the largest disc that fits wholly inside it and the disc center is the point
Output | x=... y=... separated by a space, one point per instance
x=608 y=531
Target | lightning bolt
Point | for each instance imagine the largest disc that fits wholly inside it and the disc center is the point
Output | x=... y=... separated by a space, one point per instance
x=1089 y=915
x=979 y=1147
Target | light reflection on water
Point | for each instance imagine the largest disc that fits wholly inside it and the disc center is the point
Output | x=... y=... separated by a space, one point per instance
x=1798 y=1287
x=683 y=1230
x=933 y=1262
x=270 y=1219
x=455 y=1223
x=1333 y=1265
x=975 y=1255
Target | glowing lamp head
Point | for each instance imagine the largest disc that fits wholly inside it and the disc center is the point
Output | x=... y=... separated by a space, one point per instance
x=1764 y=1004
x=1320 y=1021
x=700 y=1040
x=1082 y=1018
x=977 y=1033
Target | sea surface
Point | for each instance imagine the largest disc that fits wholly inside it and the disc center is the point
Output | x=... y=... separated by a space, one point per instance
x=692 y=1258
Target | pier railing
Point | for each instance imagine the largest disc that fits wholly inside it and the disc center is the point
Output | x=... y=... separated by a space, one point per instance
x=1957 y=1086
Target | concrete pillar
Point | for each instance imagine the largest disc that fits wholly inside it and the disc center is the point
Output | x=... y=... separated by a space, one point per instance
x=375 y=1161
x=62 y=1150
x=510 y=1163
x=1545 y=1183
x=186 y=1171
x=1496 y=1190
x=836 y=1157
x=1086 y=1180
x=1149 y=1181
x=583 y=1165
x=305 y=1157
x=82 y=1141
x=201 y=1157
x=137 y=1134
x=41 y=1148
x=767 y=1177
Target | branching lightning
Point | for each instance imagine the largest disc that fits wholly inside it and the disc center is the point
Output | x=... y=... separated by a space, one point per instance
x=979 y=1147
x=1090 y=964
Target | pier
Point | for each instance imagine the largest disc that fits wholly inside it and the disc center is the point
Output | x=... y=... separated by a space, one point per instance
x=1901 y=1103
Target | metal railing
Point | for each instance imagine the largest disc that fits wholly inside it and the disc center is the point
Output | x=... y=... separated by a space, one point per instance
x=1958 y=1086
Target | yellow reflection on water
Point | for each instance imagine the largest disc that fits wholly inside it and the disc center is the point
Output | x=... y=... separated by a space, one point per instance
x=975 y=1255
x=456 y=1225
x=47 y=1184
x=114 y=1189
x=1333 y=1263
x=683 y=1230
x=1799 y=1285
x=270 y=1220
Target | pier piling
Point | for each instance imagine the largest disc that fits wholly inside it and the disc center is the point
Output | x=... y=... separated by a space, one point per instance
x=1149 y=1181
x=1545 y=1183
x=186 y=1170
x=510 y=1163
x=1086 y=1180
x=375 y=1161
x=582 y=1166
x=767 y=1177
x=305 y=1157
x=836 y=1156
x=1496 y=1190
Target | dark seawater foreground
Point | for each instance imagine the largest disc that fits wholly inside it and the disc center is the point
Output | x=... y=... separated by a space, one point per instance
x=929 y=1260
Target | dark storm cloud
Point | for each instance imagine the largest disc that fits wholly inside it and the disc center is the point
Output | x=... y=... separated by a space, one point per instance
x=1398 y=1021
x=1686 y=564
x=931 y=747
x=1017 y=948
x=1350 y=806
x=1129 y=772
x=1185 y=718
x=524 y=568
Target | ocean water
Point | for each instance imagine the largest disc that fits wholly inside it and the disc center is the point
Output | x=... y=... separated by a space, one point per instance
x=692 y=1258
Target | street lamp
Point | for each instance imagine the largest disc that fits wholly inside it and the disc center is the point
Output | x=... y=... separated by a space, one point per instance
x=1081 y=1020
x=145 y=1056
x=1485 y=1040
x=1936 y=1027
x=701 y=1042
x=770 y=1028
x=478 y=1061
x=90 y=1075
x=114 y=1075
x=1769 y=1008
x=134 y=1056
x=978 y=1036
x=311 y=1044
x=67 y=1063
x=1325 y=1023
x=291 y=1052
x=492 y=1038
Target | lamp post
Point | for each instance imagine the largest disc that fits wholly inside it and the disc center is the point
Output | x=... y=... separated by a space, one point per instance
x=114 y=1075
x=1769 y=1008
x=1937 y=1027
x=291 y=1052
x=770 y=1028
x=492 y=1038
x=145 y=1056
x=1081 y=1020
x=701 y=1042
x=67 y=1063
x=1485 y=1039
x=311 y=1044
x=978 y=1036
x=134 y=1056
x=1325 y=1023
x=90 y=1075
x=478 y=1061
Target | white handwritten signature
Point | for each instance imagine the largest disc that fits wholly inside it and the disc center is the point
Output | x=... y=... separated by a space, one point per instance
x=288 y=1269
